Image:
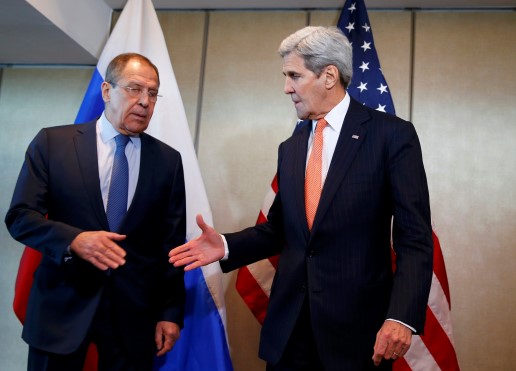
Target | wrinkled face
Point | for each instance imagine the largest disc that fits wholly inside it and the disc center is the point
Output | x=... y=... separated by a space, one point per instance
x=128 y=111
x=305 y=88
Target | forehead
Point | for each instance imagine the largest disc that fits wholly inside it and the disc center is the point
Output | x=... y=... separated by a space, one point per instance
x=139 y=71
x=293 y=63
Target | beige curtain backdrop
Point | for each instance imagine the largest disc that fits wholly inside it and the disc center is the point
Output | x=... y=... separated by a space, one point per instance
x=451 y=73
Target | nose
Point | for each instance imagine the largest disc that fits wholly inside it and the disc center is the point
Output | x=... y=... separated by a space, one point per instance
x=144 y=100
x=287 y=88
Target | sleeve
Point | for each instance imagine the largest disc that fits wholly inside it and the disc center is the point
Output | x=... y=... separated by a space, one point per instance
x=411 y=229
x=26 y=218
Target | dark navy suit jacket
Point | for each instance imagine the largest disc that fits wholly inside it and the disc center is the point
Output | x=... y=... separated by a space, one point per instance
x=60 y=179
x=343 y=266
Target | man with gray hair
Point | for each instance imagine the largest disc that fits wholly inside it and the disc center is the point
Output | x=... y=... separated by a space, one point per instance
x=346 y=178
x=103 y=202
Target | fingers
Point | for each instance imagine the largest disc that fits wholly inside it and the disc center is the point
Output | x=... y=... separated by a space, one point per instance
x=109 y=253
x=392 y=341
x=100 y=249
x=166 y=336
x=109 y=257
x=113 y=251
x=179 y=254
x=166 y=345
x=181 y=259
x=182 y=256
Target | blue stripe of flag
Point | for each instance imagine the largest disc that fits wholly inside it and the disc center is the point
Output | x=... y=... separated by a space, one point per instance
x=92 y=105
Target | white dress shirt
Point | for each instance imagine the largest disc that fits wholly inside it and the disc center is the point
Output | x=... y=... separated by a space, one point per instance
x=335 y=119
x=106 y=147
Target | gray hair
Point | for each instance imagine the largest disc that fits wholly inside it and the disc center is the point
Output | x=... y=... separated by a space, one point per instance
x=321 y=47
x=117 y=65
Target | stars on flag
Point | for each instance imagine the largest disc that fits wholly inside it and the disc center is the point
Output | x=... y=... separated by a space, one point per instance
x=364 y=66
x=382 y=88
x=381 y=108
x=367 y=74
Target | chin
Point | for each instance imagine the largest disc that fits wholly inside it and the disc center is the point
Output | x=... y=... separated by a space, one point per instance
x=136 y=128
x=301 y=115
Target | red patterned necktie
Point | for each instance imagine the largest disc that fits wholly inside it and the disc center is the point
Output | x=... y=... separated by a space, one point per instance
x=313 y=178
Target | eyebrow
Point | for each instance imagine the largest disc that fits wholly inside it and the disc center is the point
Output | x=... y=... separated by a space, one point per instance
x=141 y=85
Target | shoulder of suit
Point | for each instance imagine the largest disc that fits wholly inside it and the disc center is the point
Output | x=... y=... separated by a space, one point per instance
x=65 y=130
x=149 y=140
x=377 y=118
x=302 y=129
x=71 y=127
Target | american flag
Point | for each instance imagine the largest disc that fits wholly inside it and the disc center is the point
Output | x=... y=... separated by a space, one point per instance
x=368 y=84
x=434 y=350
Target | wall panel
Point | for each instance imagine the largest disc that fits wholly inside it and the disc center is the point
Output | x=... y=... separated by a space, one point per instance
x=465 y=113
x=184 y=35
x=245 y=114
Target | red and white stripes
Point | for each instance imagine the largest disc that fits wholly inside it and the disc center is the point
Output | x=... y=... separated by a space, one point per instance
x=432 y=351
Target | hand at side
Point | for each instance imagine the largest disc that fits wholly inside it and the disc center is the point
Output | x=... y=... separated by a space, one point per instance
x=392 y=341
x=167 y=333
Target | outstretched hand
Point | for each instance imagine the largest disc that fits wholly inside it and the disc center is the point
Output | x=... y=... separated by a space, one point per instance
x=203 y=250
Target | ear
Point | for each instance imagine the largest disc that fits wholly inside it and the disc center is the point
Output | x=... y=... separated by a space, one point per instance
x=106 y=90
x=332 y=76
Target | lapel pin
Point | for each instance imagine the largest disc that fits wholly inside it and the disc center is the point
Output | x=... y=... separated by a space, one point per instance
x=355 y=136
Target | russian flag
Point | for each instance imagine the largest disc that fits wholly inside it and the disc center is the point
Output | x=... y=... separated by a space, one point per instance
x=203 y=341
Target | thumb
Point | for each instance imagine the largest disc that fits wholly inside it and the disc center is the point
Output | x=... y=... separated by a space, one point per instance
x=116 y=236
x=201 y=223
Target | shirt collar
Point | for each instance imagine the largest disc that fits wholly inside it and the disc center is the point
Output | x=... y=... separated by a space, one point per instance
x=335 y=118
x=108 y=132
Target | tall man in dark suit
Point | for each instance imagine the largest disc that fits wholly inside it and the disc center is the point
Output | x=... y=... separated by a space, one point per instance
x=345 y=180
x=103 y=278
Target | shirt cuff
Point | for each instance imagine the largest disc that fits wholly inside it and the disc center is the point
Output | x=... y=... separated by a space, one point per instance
x=226 y=249
x=68 y=254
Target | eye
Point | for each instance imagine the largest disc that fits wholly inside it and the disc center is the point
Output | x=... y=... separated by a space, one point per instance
x=135 y=89
x=153 y=93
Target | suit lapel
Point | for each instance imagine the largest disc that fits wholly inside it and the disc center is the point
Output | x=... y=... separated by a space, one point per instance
x=351 y=136
x=143 y=186
x=86 y=148
x=300 y=137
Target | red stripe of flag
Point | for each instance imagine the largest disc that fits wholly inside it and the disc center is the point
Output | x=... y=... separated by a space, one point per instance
x=29 y=261
x=440 y=269
x=438 y=343
x=253 y=295
x=401 y=365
